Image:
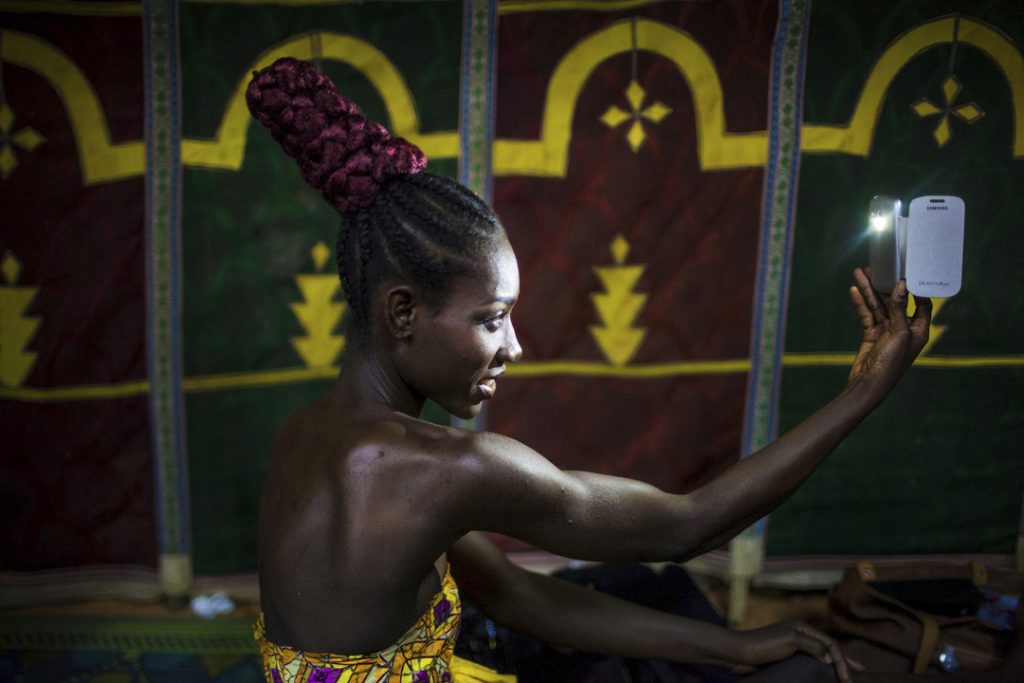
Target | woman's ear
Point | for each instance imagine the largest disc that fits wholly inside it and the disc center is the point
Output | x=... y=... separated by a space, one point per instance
x=401 y=312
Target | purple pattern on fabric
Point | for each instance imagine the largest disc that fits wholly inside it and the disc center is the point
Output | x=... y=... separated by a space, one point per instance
x=441 y=611
x=421 y=677
x=322 y=675
x=340 y=152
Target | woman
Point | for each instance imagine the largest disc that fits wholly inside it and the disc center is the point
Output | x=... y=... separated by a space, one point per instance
x=368 y=511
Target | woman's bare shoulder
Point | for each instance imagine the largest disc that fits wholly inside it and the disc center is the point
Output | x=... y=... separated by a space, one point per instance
x=404 y=448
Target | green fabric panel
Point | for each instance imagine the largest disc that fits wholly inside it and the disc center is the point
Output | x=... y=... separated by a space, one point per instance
x=221 y=41
x=947 y=479
x=937 y=468
x=248 y=234
x=232 y=431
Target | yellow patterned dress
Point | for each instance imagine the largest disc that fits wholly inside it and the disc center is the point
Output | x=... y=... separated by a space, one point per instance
x=425 y=654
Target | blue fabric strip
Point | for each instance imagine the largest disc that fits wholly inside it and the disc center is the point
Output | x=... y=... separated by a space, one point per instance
x=163 y=273
x=476 y=111
x=778 y=210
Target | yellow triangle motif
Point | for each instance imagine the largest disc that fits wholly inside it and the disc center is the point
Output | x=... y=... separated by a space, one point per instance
x=16 y=328
x=618 y=307
x=318 y=314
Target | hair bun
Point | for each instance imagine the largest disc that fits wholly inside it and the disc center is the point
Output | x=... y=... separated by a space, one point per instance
x=339 y=151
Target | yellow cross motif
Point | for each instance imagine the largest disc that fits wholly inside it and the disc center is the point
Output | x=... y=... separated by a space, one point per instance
x=26 y=138
x=654 y=113
x=970 y=112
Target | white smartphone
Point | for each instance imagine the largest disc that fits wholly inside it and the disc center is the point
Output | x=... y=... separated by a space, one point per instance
x=925 y=248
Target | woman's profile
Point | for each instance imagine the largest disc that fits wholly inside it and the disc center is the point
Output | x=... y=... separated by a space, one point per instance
x=370 y=516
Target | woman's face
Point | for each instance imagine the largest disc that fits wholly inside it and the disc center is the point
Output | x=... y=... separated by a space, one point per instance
x=460 y=346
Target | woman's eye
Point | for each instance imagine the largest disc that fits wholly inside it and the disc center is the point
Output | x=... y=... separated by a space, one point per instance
x=493 y=324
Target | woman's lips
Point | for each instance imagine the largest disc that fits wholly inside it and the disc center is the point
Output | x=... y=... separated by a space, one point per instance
x=488 y=387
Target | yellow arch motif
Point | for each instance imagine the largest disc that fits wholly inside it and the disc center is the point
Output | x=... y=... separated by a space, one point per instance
x=856 y=136
x=716 y=148
x=100 y=159
x=227 y=149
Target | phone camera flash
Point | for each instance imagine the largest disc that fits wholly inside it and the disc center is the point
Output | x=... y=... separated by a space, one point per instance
x=880 y=223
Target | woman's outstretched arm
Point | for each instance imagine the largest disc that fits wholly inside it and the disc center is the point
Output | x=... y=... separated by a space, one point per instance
x=890 y=343
x=568 y=615
x=509 y=488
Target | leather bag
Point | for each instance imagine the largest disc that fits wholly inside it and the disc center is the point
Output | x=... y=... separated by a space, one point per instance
x=901 y=618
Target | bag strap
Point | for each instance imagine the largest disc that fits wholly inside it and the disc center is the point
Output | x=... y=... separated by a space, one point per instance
x=929 y=639
x=972 y=571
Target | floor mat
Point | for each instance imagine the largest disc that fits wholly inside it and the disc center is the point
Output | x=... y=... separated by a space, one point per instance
x=37 y=649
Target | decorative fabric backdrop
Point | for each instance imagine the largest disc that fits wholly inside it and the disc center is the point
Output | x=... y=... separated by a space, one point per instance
x=685 y=185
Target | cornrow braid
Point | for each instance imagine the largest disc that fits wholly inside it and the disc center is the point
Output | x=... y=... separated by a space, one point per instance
x=400 y=247
x=363 y=252
x=421 y=228
x=398 y=222
x=389 y=250
x=473 y=211
x=427 y=218
x=341 y=248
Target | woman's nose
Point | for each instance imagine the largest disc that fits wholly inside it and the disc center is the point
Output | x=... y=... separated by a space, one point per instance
x=513 y=350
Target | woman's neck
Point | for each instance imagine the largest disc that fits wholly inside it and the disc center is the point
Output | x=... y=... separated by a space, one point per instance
x=369 y=383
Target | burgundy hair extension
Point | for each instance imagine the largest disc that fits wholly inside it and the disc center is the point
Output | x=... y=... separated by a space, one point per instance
x=342 y=154
x=397 y=220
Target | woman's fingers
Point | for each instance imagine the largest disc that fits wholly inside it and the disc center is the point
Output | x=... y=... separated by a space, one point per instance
x=869 y=295
x=896 y=304
x=920 y=323
x=824 y=648
x=840 y=663
x=867 y=319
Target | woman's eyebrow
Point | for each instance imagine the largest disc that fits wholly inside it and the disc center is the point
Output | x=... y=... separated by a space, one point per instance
x=507 y=300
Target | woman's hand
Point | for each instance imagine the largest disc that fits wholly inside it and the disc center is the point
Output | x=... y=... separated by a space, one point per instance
x=777 y=642
x=890 y=342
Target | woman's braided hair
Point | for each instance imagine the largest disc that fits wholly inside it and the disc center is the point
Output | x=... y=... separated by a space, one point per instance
x=397 y=219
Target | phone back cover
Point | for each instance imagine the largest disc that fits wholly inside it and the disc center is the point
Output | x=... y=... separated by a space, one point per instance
x=935 y=246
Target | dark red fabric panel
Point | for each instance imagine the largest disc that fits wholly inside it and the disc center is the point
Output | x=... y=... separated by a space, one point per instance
x=736 y=34
x=661 y=432
x=108 y=49
x=76 y=481
x=76 y=488
x=694 y=231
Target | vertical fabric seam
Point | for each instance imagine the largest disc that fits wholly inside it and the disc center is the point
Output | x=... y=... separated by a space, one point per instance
x=163 y=273
x=778 y=210
x=476 y=114
x=476 y=111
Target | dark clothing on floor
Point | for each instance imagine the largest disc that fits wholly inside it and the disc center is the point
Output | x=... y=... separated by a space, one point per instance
x=671 y=590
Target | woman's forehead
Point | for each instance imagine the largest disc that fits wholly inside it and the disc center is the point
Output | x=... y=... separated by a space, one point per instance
x=495 y=279
x=502 y=273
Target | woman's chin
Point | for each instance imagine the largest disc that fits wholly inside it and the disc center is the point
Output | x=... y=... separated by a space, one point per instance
x=466 y=412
